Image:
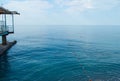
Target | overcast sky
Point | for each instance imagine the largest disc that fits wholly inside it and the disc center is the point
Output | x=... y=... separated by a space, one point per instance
x=65 y=12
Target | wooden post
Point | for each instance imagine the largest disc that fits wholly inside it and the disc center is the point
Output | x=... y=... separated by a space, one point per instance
x=5 y=22
x=4 y=40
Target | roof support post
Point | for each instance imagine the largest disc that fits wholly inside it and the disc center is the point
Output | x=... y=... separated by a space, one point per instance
x=5 y=29
x=13 y=22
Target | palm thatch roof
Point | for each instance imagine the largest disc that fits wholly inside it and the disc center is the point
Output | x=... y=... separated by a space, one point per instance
x=6 y=11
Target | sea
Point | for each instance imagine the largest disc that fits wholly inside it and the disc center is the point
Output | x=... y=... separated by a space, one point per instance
x=62 y=53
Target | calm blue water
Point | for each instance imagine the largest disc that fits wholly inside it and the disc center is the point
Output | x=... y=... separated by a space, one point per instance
x=63 y=53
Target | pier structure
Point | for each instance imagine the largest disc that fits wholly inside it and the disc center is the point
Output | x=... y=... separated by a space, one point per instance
x=5 y=28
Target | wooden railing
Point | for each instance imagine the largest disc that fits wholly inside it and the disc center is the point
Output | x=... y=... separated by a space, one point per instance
x=10 y=28
x=6 y=30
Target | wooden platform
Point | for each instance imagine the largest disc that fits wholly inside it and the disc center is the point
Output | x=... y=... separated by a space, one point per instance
x=4 y=48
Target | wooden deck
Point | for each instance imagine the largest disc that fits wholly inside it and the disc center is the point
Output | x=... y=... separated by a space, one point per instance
x=4 y=48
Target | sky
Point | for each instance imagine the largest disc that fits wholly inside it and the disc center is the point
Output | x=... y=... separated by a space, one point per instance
x=65 y=12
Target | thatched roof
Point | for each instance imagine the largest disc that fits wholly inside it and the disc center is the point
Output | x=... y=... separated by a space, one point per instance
x=6 y=11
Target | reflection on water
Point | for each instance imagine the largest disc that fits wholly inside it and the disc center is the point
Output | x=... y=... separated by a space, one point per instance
x=4 y=66
x=63 y=53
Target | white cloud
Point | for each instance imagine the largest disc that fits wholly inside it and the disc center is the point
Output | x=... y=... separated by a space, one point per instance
x=70 y=6
x=75 y=5
x=29 y=5
x=58 y=11
x=83 y=5
x=106 y=4
x=31 y=10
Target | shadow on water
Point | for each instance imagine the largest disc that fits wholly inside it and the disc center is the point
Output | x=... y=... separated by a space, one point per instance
x=4 y=66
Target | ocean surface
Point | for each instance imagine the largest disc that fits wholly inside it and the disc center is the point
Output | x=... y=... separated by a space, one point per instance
x=62 y=53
